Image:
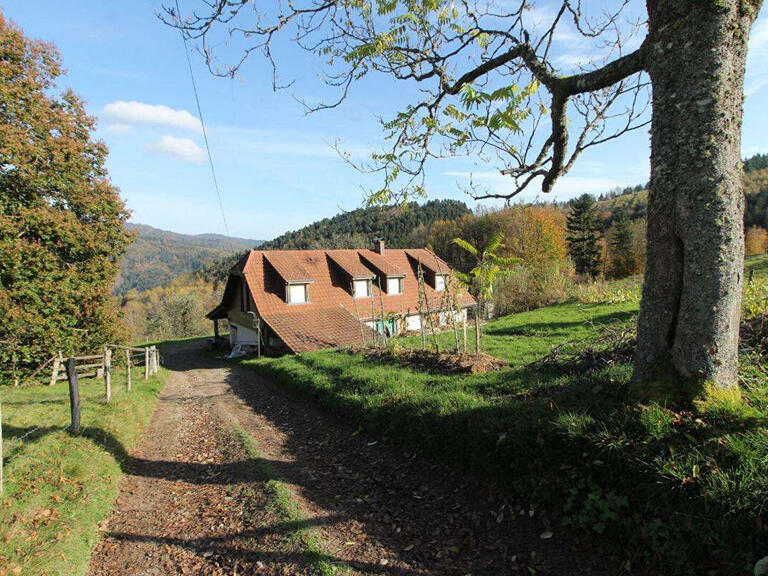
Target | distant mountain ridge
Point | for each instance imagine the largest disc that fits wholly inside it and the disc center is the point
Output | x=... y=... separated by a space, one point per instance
x=156 y=256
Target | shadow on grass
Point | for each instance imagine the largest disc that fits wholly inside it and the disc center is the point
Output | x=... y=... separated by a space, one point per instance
x=581 y=445
x=557 y=328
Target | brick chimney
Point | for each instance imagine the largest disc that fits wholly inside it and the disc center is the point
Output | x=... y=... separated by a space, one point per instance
x=378 y=245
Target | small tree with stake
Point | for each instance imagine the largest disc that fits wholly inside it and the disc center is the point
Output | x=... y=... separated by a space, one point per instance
x=488 y=266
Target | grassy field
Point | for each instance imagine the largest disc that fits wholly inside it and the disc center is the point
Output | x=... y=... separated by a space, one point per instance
x=59 y=487
x=677 y=486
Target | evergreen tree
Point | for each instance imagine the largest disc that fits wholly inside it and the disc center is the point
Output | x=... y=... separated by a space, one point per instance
x=61 y=220
x=582 y=227
x=621 y=242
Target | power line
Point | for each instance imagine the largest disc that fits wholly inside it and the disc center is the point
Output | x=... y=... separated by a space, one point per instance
x=202 y=124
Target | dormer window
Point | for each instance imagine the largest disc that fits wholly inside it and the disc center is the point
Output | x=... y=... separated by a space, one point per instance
x=439 y=282
x=297 y=293
x=361 y=288
x=394 y=285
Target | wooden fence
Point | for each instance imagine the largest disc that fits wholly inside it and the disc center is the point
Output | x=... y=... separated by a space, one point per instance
x=75 y=368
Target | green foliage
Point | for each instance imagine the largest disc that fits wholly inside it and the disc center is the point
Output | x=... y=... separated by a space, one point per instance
x=488 y=265
x=357 y=228
x=60 y=487
x=582 y=236
x=172 y=311
x=622 y=255
x=756 y=162
x=754 y=299
x=678 y=488
x=157 y=257
x=61 y=220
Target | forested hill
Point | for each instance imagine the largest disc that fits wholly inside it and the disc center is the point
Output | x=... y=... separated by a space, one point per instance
x=158 y=256
x=399 y=226
x=634 y=201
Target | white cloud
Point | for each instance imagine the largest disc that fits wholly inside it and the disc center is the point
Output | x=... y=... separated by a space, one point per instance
x=118 y=128
x=565 y=187
x=184 y=149
x=140 y=113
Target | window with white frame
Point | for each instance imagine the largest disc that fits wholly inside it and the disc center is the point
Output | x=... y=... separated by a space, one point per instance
x=439 y=282
x=361 y=288
x=394 y=285
x=297 y=293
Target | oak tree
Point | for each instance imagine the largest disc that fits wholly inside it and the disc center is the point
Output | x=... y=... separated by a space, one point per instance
x=61 y=220
x=489 y=84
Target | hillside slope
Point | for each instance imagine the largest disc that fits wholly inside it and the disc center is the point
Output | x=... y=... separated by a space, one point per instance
x=157 y=256
x=397 y=225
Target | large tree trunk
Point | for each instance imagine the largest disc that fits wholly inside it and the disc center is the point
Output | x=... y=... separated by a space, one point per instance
x=689 y=318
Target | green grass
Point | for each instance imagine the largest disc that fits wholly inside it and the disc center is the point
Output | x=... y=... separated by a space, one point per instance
x=58 y=486
x=283 y=502
x=681 y=488
x=760 y=266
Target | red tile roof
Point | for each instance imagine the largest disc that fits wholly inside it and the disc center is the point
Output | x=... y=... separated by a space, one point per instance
x=429 y=261
x=349 y=261
x=380 y=263
x=314 y=324
x=289 y=266
x=315 y=328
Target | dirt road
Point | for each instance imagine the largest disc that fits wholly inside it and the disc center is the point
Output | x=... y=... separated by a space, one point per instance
x=234 y=476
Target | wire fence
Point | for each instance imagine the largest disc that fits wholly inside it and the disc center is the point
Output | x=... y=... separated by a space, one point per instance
x=72 y=370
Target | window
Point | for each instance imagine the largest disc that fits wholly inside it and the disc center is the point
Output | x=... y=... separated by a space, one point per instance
x=361 y=288
x=394 y=285
x=439 y=282
x=297 y=293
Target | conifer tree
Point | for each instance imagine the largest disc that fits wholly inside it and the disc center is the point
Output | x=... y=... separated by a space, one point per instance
x=582 y=227
x=621 y=242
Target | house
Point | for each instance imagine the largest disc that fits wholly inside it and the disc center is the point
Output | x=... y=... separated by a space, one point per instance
x=300 y=300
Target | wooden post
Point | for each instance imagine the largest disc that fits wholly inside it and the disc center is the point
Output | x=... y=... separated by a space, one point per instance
x=108 y=372
x=383 y=321
x=216 y=331
x=373 y=316
x=2 y=492
x=57 y=362
x=357 y=315
x=74 y=396
x=420 y=279
x=477 y=329
x=464 y=323
x=155 y=359
x=146 y=363
x=128 y=369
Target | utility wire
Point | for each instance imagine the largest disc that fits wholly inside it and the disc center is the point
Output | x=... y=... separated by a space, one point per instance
x=202 y=124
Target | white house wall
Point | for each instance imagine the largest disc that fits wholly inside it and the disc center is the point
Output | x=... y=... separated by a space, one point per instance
x=412 y=323
x=245 y=335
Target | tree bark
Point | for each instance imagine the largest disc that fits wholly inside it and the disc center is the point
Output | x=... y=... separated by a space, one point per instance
x=689 y=317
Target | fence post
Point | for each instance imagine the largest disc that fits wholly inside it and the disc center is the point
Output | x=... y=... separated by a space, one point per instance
x=107 y=372
x=128 y=369
x=477 y=329
x=146 y=363
x=154 y=360
x=74 y=396
x=57 y=362
x=1 y=447
x=465 y=329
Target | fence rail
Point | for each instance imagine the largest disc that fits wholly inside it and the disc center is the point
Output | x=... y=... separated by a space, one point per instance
x=75 y=368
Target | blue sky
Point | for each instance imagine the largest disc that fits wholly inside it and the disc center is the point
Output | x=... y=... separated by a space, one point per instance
x=275 y=165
